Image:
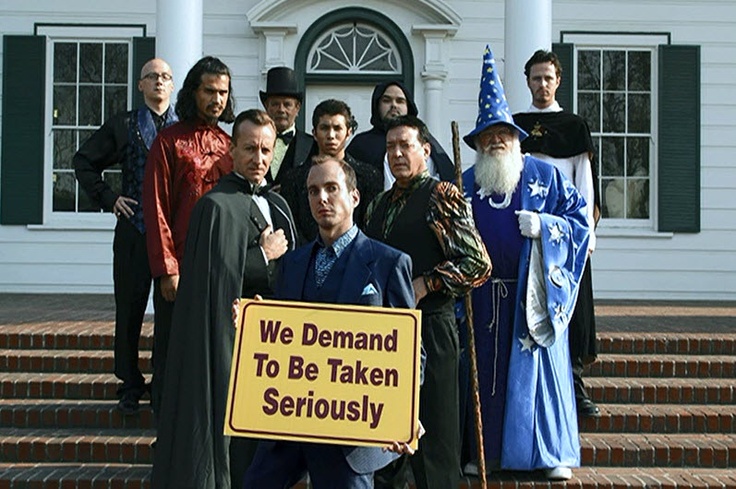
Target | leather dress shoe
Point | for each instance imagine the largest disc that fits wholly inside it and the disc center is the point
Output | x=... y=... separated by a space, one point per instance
x=588 y=409
x=129 y=403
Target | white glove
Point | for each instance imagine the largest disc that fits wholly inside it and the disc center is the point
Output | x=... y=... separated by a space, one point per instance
x=529 y=224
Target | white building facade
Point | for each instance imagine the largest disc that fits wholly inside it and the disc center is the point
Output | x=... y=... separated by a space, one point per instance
x=653 y=78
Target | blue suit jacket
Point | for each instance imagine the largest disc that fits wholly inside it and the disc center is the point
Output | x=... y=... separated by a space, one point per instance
x=369 y=262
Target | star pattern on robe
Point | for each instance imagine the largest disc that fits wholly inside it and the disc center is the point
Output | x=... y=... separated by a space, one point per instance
x=556 y=233
x=527 y=343
x=536 y=188
x=559 y=311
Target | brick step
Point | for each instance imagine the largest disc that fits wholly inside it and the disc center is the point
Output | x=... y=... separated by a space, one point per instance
x=615 y=418
x=661 y=418
x=667 y=343
x=658 y=450
x=122 y=476
x=615 y=390
x=62 y=361
x=665 y=365
x=74 y=476
x=58 y=386
x=613 y=478
x=45 y=413
x=76 y=445
x=645 y=390
x=87 y=335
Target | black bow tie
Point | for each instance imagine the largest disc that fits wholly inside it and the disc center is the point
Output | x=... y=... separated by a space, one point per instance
x=286 y=137
x=257 y=190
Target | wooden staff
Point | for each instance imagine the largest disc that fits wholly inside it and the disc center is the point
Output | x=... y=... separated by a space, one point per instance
x=471 y=336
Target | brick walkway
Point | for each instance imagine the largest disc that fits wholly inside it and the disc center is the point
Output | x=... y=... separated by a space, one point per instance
x=619 y=316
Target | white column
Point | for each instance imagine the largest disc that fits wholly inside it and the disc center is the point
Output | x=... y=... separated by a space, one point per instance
x=179 y=35
x=433 y=88
x=274 y=51
x=434 y=74
x=527 y=27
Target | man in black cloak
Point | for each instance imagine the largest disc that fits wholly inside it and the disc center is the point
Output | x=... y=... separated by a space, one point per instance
x=391 y=100
x=237 y=233
x=563 y=139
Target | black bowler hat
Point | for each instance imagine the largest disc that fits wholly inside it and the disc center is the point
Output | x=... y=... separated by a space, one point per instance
x=281 y=81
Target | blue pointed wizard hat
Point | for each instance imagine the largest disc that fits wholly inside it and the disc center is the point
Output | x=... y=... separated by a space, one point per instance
x=492 y=105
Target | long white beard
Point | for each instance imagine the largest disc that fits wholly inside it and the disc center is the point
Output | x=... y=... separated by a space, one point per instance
x=499 y=172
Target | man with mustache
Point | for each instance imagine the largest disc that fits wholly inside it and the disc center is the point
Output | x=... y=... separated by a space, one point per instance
x=563 y=139
x=532 y=219
x=430 y=221
x=185 y=161
x=283 y=101
x=126 y=139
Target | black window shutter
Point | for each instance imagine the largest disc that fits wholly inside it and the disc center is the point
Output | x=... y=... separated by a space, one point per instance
x=678 y=178
x=565 y=92
x=144 y=48
x=24 y=93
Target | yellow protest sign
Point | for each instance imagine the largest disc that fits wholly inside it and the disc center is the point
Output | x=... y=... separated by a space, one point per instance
x=325 y=373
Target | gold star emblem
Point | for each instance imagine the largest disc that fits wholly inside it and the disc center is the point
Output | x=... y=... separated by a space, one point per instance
x=537 y=130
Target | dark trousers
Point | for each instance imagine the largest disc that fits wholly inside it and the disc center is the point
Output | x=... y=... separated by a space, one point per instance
x=437 y=462
x=285 y=463
x=582 y=337
x=163 y=312
x=132 y=284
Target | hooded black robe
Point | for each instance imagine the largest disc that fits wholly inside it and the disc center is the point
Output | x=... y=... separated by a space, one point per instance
x=370 y=146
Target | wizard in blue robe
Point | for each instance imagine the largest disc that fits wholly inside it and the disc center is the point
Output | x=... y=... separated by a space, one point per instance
x=532 y=221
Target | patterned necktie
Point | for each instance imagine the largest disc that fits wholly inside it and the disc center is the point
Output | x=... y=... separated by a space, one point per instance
x=323 y=262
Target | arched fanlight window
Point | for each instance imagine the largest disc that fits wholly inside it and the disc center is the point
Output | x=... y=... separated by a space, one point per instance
x=354 y=48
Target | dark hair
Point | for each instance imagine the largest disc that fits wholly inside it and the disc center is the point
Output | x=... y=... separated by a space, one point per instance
x=334 y=107
x=410 y=121
x=255 y=116
x=351 y=181
x=543 y=56
x=186 y=105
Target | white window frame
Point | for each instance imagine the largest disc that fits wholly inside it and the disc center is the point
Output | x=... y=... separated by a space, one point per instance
x=377 y=32
x=55 y=33
x=623 y=41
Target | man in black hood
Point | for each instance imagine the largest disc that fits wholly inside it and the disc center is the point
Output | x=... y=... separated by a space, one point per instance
x=391 y=100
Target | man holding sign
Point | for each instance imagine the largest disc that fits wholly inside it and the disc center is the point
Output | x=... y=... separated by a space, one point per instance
x=341 y=266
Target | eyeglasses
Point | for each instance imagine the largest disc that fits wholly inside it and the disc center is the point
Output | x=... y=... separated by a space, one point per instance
x=153 y=76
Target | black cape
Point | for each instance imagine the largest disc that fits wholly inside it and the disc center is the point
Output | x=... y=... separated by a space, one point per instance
x=191 y=450
x=370 y=146
x=559 y=135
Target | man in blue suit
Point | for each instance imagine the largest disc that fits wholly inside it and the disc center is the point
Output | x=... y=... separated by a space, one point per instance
x=342 y=266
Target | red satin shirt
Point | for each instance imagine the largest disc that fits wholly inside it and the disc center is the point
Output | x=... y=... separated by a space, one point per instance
x=185 y=161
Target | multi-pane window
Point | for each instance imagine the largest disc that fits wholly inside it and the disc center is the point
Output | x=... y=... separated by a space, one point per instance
x=90 y=83
x=614 y=94
x=353 y=48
